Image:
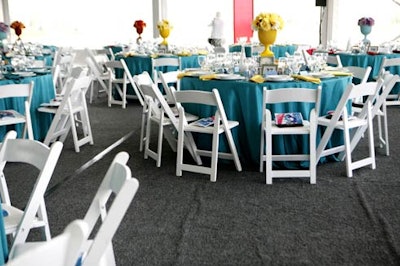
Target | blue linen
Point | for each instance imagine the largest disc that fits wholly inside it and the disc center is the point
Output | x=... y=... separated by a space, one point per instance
x=374 y=61
x=243 y=102
x=43 y=91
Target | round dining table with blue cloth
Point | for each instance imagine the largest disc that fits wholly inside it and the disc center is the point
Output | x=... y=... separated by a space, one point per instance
x=242 y=101
x=43 y=91
x=279 y=50
x=374 y=61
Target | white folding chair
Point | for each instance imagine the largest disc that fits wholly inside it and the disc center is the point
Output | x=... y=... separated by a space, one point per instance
x=62 y=250
x=69 y=114
x=109 y=205
x=220 y=126
x=19 y=222
x=99 y=74
x=341 y=120
x=378 y=110
x=143 y=79
x=118 y=82
x=166 y=79
x=66 y=63
x=21 y=115
x=270 y=128
x=160 y=113
x=334 y=60
x=387 y=63
x=165 y=64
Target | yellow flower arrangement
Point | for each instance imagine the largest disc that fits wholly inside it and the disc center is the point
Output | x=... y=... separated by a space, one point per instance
x=267 y=21
x=164 y=24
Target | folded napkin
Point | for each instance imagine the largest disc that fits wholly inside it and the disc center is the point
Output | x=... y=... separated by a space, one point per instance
x=307 y=78
x=257 y=79
x=340 y=73
x=208 y=76
x=184 y=53
x=183 y=74
x=202 y=52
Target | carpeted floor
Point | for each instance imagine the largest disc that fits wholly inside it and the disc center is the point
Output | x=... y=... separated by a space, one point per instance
x=238 y=220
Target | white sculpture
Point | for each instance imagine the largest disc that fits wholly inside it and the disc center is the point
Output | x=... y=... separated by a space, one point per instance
x=217 y=32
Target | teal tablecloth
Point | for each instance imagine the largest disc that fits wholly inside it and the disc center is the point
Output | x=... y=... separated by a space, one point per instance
x=374 y=61
x=278 y=50
x=43 y=91
x=243 y=102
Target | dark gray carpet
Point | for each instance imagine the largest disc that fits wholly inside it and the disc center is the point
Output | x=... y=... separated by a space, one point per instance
x=238 y=220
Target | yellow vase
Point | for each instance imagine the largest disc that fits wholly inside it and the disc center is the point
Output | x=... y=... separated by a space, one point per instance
x=267 y=38
x=164 y=33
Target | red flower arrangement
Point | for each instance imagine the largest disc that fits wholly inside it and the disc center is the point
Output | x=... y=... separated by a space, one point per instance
x=139 y=25
x=17 y=26
x=366 y=21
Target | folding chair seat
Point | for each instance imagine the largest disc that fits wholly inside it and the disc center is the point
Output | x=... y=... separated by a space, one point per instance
x=22 y=113
x=341 y=120
x=107 y=210
x=62 y=250
x=71 y=114
x=160 y=113
x=118 y=82
x=286 y=101
x=221 y=125
x=42 y=160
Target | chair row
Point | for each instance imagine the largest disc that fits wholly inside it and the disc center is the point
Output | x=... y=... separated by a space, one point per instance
x=110 y=203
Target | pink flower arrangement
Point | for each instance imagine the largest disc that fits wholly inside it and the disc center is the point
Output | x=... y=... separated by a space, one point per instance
x=366 y=21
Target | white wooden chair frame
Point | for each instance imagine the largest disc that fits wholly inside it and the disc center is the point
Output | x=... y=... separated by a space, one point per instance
x=221 y=126
x=269 y=129
x=19 y=222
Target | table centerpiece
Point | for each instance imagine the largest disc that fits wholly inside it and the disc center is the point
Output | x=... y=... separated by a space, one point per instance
x=366 y=24
x=139 y=25
x=164 y=27
x=267 y=25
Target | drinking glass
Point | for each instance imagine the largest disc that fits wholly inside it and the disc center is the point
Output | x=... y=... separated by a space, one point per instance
x=202 y=60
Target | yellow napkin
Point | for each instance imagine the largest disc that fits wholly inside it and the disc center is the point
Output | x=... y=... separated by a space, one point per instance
x=202 y=52
x=208 y=76
x=183 y=74
x=307 y=78
x=340 y=73
x=184 y=53
x=257 y=79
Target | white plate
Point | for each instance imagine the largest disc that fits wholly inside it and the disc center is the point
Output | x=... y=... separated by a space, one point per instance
x=278 y=78
x=321 y=75
x=229 y=77
x=24 y=74
x=199 y=73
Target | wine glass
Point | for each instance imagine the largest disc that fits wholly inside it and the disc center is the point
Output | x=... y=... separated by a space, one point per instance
x=202 y=60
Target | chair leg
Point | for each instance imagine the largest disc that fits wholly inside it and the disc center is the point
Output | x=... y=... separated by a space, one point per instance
x=348 y=153
x=159 y=143
x=262 y=149
x=268 y=158
x=179 y=154
x=385 y=130
x=313 y=156
x=214 y=157
x=371 y=142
